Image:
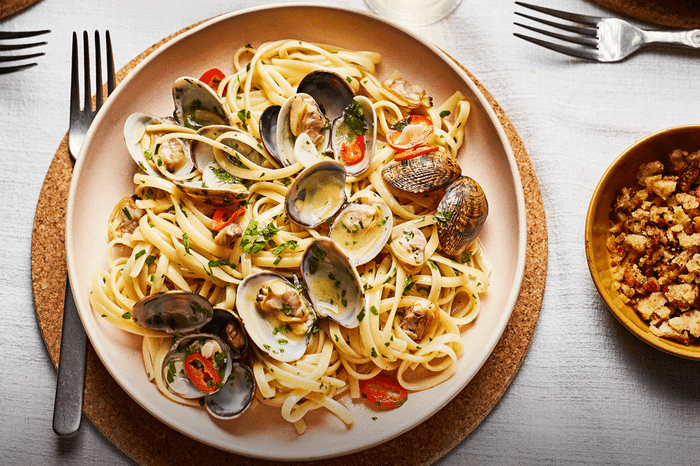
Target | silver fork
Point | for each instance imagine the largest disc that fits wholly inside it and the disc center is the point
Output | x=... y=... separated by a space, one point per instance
x=70 y=383
x=14 y=46
x=600 y=39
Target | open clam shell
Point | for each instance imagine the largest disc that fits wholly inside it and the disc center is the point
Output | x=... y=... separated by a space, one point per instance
x=330 y=90
x=197 y=105
x=174 y=374
x=362 y=230
x=270 y=334
x=171 y=159
x=422 y=174
x=343 y=133
x=303 y=132
x=317 y=193
x=235 y=396
x=218 y=187
x=334 y=286
x=227 y=325
x=172 y=312
x=464 y=209
x=268 y=131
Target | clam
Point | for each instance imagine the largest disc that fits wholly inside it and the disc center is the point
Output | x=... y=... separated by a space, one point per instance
x=354 y=134
x=227 y=325
x=171 y=159
x=334 y=286
x=197 y=105
x=400 y=91
x=235 y=396
x=268 y=131
x=331 y=92
x=217 y=186
x=277 y=318
x=408 y=245
x=362 y=230
x=178 y=366
x=317 y=193
x=463 y=211
x=421 y=174
x=419 y=319
x=302 y=132
x=172 y=312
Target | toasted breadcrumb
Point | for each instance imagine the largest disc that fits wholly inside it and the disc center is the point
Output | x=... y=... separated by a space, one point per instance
x=654 y=245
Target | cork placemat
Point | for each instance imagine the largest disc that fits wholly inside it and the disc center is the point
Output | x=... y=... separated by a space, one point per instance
x=684 y=14
x=122 y=421
x=10 y=7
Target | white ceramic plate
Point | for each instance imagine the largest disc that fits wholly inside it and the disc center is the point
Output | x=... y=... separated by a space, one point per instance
x=104 y=174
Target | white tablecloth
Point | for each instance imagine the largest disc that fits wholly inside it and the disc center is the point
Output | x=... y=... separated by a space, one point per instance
x=588 y=391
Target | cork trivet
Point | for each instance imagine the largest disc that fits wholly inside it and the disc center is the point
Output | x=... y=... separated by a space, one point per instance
x=684 y=14
x=123 y=421
x=10 y=7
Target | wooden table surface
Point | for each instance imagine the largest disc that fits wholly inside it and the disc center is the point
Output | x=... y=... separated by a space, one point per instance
x=588 y=391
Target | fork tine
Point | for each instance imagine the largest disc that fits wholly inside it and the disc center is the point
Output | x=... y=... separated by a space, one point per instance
x=585 y=53
x=98 y=72
x=111 y=75
x=12 y=69
x=21 y=34
x=577 y=18
x=589 y=41
x=586 y=31
x=87 y=91
x=21 y=57
x=20 y=46
x=74 y=79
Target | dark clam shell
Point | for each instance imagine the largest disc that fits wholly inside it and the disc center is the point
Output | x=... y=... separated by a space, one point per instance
x=422 y=174
x=331 y=92
x=228 y=326
x=172 y=312
x=268 y=130
x=463 y=212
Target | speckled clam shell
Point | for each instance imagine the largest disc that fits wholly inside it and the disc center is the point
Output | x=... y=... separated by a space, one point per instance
x=466 y=201
x=422 y=174
x=174 y=311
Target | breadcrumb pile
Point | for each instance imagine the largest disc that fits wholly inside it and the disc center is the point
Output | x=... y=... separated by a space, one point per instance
x=654 y=244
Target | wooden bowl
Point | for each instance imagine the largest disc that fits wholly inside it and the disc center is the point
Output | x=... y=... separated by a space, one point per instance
x=622 y=173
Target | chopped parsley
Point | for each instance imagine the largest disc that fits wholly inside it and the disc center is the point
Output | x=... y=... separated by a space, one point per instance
x=255 y=239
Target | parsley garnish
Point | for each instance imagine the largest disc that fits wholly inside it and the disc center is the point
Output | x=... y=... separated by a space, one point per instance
x=254 y=239
x=353 y=118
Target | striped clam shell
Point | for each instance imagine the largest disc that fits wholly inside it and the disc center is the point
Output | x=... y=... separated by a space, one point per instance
x=422 y=174
x=468 y=208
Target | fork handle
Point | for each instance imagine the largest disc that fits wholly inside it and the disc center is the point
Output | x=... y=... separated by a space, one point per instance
x=689 y=38
x=68 y=404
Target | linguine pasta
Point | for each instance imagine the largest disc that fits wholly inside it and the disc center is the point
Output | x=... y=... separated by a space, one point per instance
x=163 y=240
